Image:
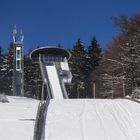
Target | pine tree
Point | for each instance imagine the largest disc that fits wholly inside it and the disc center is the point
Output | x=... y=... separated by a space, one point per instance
x=59 y=45
x=93 y=56
x=77 y=63
x=32 y=78
x=1 y=60
x=1 y=54
x=7 y=71
x=92 y=61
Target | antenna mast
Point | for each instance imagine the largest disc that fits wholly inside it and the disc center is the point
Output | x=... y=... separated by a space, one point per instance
x=14 y=33
x=21 y=36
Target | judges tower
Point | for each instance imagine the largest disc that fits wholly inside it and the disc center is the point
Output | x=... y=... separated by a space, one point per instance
x=18 y=71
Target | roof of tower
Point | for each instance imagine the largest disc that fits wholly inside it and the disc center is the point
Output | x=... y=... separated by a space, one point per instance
x=50 y=50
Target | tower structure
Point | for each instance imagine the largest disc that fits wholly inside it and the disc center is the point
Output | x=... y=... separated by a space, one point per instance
x=53 y=62
x=18 y=69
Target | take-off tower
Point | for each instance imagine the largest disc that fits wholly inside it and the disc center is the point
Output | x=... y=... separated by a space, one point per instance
x=55 y=70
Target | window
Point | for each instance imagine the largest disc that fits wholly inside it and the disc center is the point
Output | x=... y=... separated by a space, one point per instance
x=18 y=53
x=18 y=66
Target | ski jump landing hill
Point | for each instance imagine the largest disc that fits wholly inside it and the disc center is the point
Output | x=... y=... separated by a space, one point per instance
x=82 y=119
x=55 y=71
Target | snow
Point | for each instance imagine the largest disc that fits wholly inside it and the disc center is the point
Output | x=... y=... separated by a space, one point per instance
x=54 y=81
x=99 y=119
x=64 y=65
x=72 y=119
x=17 y=118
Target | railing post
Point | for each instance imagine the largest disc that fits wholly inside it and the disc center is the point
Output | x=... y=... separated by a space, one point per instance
x=94 y=89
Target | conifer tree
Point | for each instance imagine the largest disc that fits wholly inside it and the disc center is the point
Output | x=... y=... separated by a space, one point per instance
x=7 y=71
x=32 y=78
x=93 y=56
x=1 y=54
x=59 y=45
x=77 y=63
x=92 y=61
x=1 y=60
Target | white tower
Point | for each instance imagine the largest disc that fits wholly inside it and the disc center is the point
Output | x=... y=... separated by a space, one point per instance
x=18 y=72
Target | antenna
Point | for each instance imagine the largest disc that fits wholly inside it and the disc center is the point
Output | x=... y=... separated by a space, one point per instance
x=21 y=36
x=14 y=33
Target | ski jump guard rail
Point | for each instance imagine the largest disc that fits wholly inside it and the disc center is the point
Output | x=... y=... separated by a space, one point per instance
x=54 y=68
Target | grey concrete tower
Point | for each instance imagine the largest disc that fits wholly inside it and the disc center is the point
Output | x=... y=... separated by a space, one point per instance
x=18 y=72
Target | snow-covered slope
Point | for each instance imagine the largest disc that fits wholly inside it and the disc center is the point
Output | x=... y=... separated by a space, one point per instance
x=17 y=118
x=93 y=120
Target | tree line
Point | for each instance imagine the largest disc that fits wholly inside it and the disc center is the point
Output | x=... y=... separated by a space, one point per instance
x=114 y=72
x=82 y=62
x=120 y=68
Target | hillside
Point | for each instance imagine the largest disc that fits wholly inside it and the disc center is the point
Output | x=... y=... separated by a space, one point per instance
x=77 y=119
x=17 y=118
x=93 y=120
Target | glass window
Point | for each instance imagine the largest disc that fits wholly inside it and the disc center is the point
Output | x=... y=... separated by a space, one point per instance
x=18 y=65
x=18 y=53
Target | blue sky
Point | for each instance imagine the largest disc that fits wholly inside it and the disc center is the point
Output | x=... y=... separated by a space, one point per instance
x=49 y=22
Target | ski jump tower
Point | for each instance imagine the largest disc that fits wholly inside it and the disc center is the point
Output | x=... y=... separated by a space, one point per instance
x=55 y=71
x=18 y=72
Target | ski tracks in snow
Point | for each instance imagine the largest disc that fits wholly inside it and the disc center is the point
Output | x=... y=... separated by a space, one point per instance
x=93 y=120
x=128 y=122
x=82 y=121
x=101 y=121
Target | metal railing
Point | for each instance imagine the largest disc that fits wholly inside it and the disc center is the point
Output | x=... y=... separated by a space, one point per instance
x=39 y=129
x=45 y=77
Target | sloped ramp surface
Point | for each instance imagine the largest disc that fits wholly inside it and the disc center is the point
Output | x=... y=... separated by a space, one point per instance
x=93 y=120
x=54 y=82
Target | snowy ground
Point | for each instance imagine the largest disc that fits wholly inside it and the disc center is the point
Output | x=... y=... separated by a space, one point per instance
x=93 y=120
x=17 y=118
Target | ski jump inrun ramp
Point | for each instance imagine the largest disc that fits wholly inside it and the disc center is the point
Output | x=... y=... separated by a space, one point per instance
x=53 y=62
x=54 y=82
